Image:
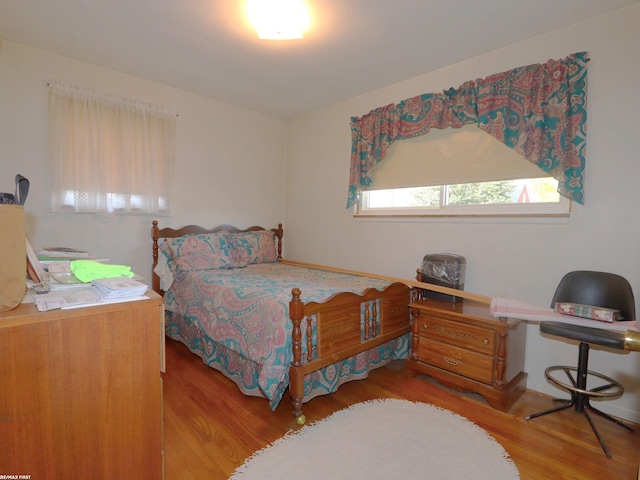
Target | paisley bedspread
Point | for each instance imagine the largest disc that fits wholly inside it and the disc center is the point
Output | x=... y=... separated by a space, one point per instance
x=237 y=320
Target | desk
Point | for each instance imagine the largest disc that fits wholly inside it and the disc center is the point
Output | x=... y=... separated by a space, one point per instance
x=81 y=391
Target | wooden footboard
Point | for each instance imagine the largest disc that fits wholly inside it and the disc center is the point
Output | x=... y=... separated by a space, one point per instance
x=342 y=327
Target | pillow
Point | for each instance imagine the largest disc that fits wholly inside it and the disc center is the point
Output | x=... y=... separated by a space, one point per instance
x=248 y=248
x=204 y=251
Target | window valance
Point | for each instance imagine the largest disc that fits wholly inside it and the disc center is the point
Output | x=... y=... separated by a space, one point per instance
x=538 y=110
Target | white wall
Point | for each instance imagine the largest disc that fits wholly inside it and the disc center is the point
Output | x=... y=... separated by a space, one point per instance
x=229 y=162
x=516 y=259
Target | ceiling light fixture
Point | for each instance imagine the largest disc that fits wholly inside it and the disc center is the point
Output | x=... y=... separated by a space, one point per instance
x=278 y=19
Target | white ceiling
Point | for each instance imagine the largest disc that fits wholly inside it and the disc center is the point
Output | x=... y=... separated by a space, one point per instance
x=352 y=47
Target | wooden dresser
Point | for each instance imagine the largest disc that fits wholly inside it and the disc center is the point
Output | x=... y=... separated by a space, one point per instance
x=463 y=347
x=81 y=391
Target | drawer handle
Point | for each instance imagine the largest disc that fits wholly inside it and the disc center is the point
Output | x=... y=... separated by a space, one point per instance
x=485 y=341
x=451 y=361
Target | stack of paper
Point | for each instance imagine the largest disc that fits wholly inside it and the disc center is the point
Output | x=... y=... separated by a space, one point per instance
x=62 y=252
x=119 y=287
x=77 y=297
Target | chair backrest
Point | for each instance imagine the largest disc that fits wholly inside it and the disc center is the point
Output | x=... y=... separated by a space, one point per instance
x=598 y=289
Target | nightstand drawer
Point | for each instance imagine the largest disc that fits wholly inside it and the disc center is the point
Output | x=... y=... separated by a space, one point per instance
x=480 y=340
x=457 y=360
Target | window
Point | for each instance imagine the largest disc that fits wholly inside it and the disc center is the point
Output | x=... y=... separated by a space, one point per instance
x=109 y=155
x=532 y=196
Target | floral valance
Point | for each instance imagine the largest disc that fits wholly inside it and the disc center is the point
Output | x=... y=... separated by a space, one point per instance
x=539 y=110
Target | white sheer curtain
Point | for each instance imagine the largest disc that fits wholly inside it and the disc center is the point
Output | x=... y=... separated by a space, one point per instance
x=108 y=154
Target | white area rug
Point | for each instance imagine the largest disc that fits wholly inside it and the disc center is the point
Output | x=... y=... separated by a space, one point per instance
x=383 y=439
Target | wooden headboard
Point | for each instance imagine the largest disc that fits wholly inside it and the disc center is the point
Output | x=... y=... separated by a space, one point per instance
x=167 y=232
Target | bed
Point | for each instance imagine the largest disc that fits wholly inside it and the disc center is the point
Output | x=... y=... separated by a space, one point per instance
x=269 y=324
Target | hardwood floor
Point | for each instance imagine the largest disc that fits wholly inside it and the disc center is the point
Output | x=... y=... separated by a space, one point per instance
x=210 y=427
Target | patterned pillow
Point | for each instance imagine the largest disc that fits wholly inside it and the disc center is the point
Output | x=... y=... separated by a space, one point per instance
x=248 y=248
x=204 y=251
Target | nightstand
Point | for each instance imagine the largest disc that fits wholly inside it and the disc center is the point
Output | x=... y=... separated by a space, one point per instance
x=463 y=347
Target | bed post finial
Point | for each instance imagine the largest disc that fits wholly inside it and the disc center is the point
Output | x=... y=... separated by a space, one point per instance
x=296 y=313
x=280 y=234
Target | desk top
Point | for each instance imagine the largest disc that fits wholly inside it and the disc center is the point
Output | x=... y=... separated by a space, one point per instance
x=28 y=312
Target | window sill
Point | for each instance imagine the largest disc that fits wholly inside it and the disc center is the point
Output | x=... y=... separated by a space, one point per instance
x=533 y=218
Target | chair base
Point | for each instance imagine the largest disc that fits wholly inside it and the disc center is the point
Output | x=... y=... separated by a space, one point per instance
x=586 y=406
x=580 y=396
